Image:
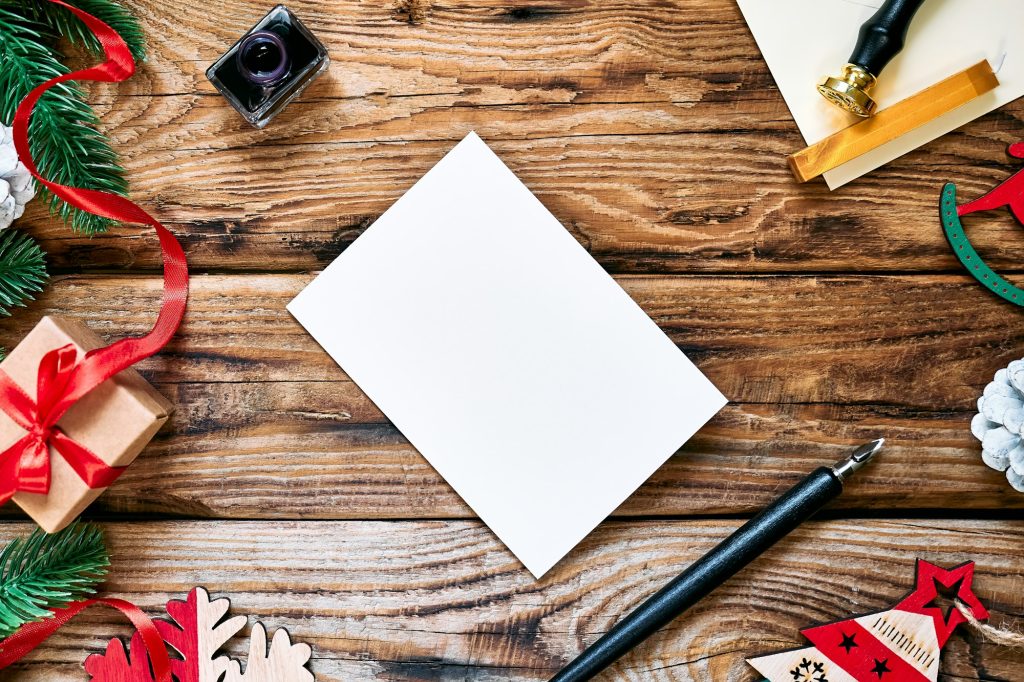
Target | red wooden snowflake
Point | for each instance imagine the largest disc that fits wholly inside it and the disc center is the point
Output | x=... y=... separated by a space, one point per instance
x=197 y=634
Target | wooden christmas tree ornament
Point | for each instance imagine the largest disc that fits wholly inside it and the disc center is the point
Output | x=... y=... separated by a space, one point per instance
x=197 y=632
x=898 y=645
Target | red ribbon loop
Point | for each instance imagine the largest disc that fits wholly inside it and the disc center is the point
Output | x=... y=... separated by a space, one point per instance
x=63 y=377
x=31 y=635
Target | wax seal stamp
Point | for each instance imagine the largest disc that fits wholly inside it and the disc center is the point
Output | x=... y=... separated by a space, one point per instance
x=881 y=38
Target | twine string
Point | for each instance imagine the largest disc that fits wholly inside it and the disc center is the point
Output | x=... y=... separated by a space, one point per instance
x=1007 y=637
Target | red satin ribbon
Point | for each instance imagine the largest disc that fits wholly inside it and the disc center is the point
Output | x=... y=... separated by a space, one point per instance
x=63 y=379
x=31 y=635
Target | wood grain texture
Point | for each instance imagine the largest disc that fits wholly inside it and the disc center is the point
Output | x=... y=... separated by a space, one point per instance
x=639 y=203
x=310 y=450
x=652 y=130
x=930 y=343
x=268 y=425
x=444 y=602
x=275 y=457
x=265 y=412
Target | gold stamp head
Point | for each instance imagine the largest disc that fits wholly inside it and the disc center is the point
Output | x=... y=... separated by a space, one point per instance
x=850 y=91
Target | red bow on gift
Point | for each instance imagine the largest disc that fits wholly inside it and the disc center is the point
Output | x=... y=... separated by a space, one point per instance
x=25 y=466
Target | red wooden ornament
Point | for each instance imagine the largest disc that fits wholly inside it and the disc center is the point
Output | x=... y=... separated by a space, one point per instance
x=1009 y=194
x=197 y=632
x=899 y=645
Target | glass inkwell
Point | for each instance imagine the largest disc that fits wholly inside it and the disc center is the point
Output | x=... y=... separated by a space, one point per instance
x=269 y=66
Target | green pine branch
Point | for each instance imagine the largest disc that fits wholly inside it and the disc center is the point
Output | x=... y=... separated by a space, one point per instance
x=66 y=146
x=62 y=22
x=22 y=269
x=45 y=572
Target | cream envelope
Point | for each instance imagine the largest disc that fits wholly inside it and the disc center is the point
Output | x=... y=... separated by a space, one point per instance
x=803 y=40
x=506 y=355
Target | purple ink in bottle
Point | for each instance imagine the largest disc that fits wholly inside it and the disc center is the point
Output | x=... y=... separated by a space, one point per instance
x=269 y=66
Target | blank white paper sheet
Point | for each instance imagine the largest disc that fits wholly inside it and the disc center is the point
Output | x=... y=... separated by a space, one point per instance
x=506 y=355
x=803 y=40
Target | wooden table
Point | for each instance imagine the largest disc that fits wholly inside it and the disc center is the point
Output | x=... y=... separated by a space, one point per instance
x=655 y=133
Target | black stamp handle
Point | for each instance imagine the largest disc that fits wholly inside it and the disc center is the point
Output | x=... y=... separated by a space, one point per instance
x=883 y=35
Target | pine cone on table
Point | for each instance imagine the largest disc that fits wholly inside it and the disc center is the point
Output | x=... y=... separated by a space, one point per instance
x=999 y=424
x=16 y=186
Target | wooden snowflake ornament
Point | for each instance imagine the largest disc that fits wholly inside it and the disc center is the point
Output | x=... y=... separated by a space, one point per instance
x=197 y=632
x=898 y=645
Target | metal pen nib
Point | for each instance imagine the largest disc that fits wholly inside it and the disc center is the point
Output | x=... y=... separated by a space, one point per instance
x=856 y=461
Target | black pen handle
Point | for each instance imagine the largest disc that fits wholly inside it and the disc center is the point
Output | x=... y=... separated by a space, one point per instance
x=883 y=35
x=704 y=575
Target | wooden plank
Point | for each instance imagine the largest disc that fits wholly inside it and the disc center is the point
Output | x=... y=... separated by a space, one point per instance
x=623 y=118
x=319 y=450
x=484 y=50
x=268 y=426
x=637 y=202
x=444 y=601
x=930 y=343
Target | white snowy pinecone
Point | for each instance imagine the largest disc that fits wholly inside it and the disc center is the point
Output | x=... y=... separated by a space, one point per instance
x=16 y=186
x=999 y=424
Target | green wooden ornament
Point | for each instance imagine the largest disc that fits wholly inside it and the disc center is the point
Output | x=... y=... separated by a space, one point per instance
x=970 y=259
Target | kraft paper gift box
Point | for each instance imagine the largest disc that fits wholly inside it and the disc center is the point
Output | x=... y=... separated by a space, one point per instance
x=115 y=420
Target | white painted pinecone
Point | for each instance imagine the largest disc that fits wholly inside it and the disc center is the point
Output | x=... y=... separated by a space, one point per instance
x=16 y=186
x=999 y=424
